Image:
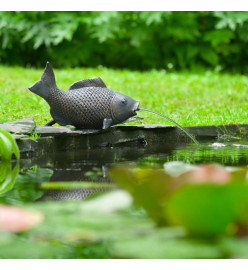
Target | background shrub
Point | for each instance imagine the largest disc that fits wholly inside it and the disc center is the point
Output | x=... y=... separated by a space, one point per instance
x=133 y=40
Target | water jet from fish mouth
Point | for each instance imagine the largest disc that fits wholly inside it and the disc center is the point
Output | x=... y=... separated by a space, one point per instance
x=172 y=121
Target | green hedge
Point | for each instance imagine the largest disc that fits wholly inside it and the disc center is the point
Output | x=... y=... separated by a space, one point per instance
x=134 y=40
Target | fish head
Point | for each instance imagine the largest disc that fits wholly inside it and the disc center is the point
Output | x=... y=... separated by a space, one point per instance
x=123 y=107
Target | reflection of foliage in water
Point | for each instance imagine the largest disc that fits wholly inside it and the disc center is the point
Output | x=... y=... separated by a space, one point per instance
x=94 y=173
x=152 y=161
x=230 y=154
x=227 y=155
x=26 y=187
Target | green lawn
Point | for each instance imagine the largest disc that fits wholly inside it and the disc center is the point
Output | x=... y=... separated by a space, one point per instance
x=190 y=99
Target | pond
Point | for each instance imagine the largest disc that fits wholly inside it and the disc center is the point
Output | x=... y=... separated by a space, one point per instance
x=117 y=202
x=76 y=175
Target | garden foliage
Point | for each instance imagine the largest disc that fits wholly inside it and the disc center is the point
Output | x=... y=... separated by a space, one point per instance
x=134 y=40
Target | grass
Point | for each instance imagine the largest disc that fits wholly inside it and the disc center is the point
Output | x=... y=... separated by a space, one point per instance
x=190 y=99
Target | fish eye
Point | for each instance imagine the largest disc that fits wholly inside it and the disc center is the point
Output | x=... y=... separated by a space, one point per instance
x=123 y=101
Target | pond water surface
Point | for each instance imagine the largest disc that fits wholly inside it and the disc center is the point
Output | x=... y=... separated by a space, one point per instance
x=79 y=174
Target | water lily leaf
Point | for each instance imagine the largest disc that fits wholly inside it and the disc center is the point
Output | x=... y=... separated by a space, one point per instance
x=150 y=188
x=239 y=174
x=207 y=200
x=175 y=168
x=152 y=247
x=235 y=247
x=109 y=202
x=207 y=209
x=210 y=173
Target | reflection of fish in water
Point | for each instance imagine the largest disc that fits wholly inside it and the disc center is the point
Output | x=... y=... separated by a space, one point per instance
x=69 y=194
x=77 y=193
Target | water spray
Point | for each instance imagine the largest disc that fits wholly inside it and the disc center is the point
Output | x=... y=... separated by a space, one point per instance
x=172 y=121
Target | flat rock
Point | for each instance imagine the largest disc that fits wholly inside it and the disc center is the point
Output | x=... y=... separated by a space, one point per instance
x=22 y=126
x=55 y=131
x=148 y=126
x=47 y=130
x=19 y=136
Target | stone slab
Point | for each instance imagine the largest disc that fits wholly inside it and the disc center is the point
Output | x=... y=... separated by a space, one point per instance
x=57 y=131
x=51 y=131
x=124 y=135
x=23 y=126
x=53 y=139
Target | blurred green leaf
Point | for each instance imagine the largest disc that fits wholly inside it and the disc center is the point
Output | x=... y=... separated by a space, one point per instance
x=26 y=188
x=209 y=55
x=235 y=248
x=8 y=176
x=230 y=19
x=206 y=200
x=74 y=185
x=14 y=146
x=154 y=247
x=157 y=38
x=109 y=202
x=5 y=147
x=150 y=189
x=207 y=209
x=219 y=36
x=8 y=145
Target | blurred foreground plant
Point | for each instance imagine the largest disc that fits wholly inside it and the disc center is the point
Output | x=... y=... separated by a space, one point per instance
x=14 y=219
x=7 y=146
x=7 y=176
x=206 y=200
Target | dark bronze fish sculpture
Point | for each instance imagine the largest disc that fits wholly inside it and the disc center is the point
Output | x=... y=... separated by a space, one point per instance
x=88 y=104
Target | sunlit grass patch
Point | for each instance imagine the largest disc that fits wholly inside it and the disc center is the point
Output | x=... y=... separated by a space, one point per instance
x=189 y=99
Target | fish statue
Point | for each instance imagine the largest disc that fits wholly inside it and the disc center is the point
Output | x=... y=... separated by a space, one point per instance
x=88 y=104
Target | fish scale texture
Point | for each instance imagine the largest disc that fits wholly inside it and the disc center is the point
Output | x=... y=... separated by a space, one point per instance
x=73 y=194
x=84 y=108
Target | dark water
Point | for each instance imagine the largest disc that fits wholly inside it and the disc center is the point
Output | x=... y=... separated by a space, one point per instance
x=79 y=174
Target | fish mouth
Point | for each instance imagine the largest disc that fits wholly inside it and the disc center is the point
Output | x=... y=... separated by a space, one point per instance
x=136 y=108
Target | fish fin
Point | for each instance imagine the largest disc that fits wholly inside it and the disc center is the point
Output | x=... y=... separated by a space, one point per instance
x=57 y=118
x=48 y=76
x=132 y=119
x=47 y=82
x=49 y=123
x=96 y=82
x=107 y=122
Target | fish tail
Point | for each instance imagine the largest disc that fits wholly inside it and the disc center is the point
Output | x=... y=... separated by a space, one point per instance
x=47 y=82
